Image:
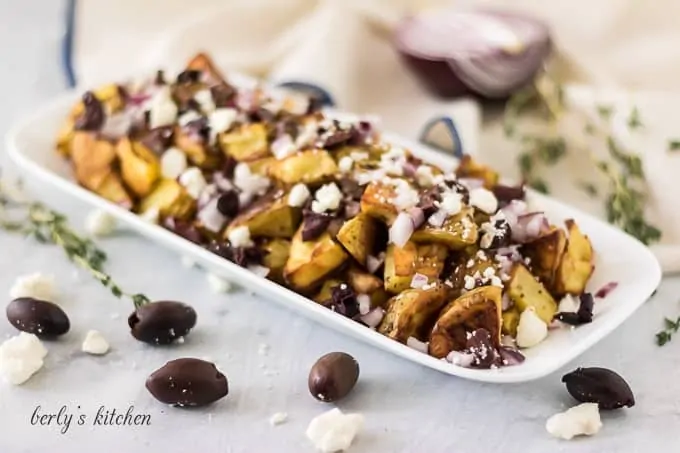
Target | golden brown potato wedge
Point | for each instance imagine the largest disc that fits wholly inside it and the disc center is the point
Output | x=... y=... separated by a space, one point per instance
x=65 y=137
x=364 y=283
x=577 y=263
x=313 y=167
x=276 y=253
x=261 y=166
x=246 y=143
x=92 y=158
x=139 y=166
x=526 y=291
x=468 y=168
x=269 y=217
x=376 y=202
x=412 y=312
x=472 y=263
x=510 y=322
x=457 y=232
x=326 y=291
x=109 y=95
x=479 y=308
x=546 y=253
x=357 y=235
x=170 y=199
x=310 y=261
x=111 y=187
x=202 y=62
x=402 y=263
x=196 y=151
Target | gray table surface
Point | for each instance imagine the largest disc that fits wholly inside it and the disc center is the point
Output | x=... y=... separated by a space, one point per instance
x=407 y=408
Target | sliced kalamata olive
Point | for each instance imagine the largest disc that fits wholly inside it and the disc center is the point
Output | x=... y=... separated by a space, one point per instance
x=429 y=200
x=158 y=139
x=160 y=78
x=351 y=189
x=344 y=301
x=487 y=53
x=229 y=166
x=185 y=229
x=480 y=345
x=188 y=382
x=223 y=95
x=314 y=224
x=40 y=317
x=599 y=385
x=162 y=322
x=505 y=194
x=333 y=376
x=510 y=356
x=583 y=315
x=93 y=116
x=500 y=237
x=189 y=76
x=228 y=203
x=462 y=190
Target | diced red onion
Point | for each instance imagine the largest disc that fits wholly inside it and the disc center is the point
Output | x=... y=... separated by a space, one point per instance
x=401 y=230
x=364 y=303
x=373 y=263
x=414 y=343
x=419 y=280
x=513 y=210
x=210 y=217
x=530 y=226
x=417 y=216
x=460 y=358
x=438 y=218
x=283 y=146
x=506 y=302
x=409 y=169
x=117 y=125
x=260 y=271
x=138 y=98
x=606 y=289
x=471 y=183
x=510 y=356
x=373 y=317
x=207 y=194
x=222 y=182
x=246 y=100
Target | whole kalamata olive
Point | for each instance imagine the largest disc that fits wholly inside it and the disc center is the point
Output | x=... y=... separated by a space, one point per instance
x=333 y=376
x=228 y=203
x=92 y=118
x=599 y=385
x=187 y=382
x=40 y=317
x=161 y=322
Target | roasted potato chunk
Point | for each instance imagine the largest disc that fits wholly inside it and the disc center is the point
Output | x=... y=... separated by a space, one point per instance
x=525 y=291
x=196 y=151
x=139 y=167
x=202 y=62
x=376 y=202
x=510 y=322
x=92 y=158
x=269 y=217
x=276 y=252
x=248 y=142
x=468 y=168
x=457 y=232
x=357 y=235
x=546 y=254
x=479 y=308
x=326 y=291
x=261 y=166
x=65 y=137
x=109 y=95
x=312 y=167
x=412 y=312
x=171 y=200
x=111 y=187
x=577 y=263
x=402 y=263
x=365 y=283
x=310 y=261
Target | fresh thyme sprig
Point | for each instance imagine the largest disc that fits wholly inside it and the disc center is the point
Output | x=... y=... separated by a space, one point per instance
x=34 y=219
x=670 y=327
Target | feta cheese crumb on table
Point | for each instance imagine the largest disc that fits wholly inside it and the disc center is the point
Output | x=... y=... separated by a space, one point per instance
x=581 y=420
x=100 y=223
x=278 y=418
x=36 y=285
x=95 y=343
x=21 y=356
x=531 y=329
x=217 y=284
x=334 y=431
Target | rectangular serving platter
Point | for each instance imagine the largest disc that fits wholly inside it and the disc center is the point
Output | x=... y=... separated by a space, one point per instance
x=619 y=257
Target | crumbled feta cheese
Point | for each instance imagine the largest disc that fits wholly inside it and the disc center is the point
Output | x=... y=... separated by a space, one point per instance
x=221 y=120
x=193 y=181
x=406 y=196
x=250 y=183
x=187 y=117
x=210 y=217
x=484 y=200
x=327 y=198
x=37 y=286
x=217 y=284
x=568 y=304
x=205 y=100
x=307 y=134
x=531 y=329
x=345 y=164
x=100 y=223
x=162 y=109
x=496 y=281
x=393 y=161
x=489 y=272
x=489 y=232
x=95 y=343
x=240 y=237
x=583 y=419
x=451 y=203
x=469 y=282
x=334 y=431
x=278 y=418
x=298 y=195
x=424 y=176
x=151 y=215
x=283 y=147
x=21 y=356
x=173 y=163
x=358 y=156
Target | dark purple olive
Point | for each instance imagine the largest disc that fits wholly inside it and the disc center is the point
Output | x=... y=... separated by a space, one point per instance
x=40 y=317
x=92 y=118
x=228 y=203
x=583 y=315
x=314 y=224
x=188 y=382
x=158 y=139
x=223 y=95
x=505 y=194
x=161 y=322
x=490 y=54
x=482 y=348
x=599 y=385
x=333 y=376
x=344 y=301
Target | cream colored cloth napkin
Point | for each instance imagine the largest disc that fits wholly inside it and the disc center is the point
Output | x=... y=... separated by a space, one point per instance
x=344 y=47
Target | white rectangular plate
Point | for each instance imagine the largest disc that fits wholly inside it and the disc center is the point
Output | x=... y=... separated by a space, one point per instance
x=620 y=258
